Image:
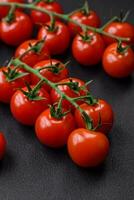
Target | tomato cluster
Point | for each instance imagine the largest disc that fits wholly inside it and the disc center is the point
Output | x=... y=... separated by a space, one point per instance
x=61 y=107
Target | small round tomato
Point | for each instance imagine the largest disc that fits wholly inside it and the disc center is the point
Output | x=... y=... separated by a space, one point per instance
x=26 y=110
x=87 y=148
x=31 y=57
x=72 y=91
x=101 y=111
x=121 y=29
x=88 y=48
x=8 y=87
x=3 y=144
x=5 y=9
x=42 y=18
x=51 y=69
x=54 y=132
x=118 y=63
x=55 y=36
x=11 y=32
x=91 y=19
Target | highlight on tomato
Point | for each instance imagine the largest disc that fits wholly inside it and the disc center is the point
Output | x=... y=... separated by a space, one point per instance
x=27 y=104
x=87 y=148
x=53 y=127
x=118 y=60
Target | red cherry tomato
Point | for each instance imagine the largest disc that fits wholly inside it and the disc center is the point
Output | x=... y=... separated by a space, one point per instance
x=87 y=148
x=25 y=110
x=5 y=9
x=100 y=111
x=60 y=35
x=121 y=29
x=42 y=18
x=31 y=58
x=55 y=74
x=54 y=132
x=118 y=64
x=3 y=144
x=70 y=91
x=12 y=33
x=8 y=88
x=92 y=19
x=88 y=49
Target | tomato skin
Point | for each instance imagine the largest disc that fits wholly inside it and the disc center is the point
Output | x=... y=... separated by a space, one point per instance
x=7 y=89
x=31 y=58
x=49 y=74
x=5 y=9
x=88 y=52
x=11 y=33
x=92 y=19
x=54 y=132
x=121 y=29
x=54 y=38
x=42 y=18
x=55 y=97
x=100 y=110
x=26 y=111
x=87 y=148
x=118 y=65
x=3 y=145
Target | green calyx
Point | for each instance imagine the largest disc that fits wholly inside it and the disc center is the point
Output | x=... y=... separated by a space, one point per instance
x=32 y=93
x=13 y=74
x=10 y=16
x=86 y=37
x=85 y=8
x=37 y=48
x=123 y=16
x=121 y=49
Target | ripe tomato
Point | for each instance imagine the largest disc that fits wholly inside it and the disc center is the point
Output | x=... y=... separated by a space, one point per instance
x=91 y=19
x=11 y=33
x=8 y=88
x=54 y=74
x=5 y=9
x=88 y=49
x=121 y=29
x=102 y=110
x=118 y=64
x=42 y=18
x=2 y=145
x=26 y=110
x=54 y=132
x=32 y=57
x=59 y=35
x=73 y=91
x=87 y=148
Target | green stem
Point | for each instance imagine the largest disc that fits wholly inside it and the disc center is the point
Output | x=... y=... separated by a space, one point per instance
x=111 y=20
x=63 y=17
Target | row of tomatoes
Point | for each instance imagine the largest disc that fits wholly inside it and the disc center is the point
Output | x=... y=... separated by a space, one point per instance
x=86 y=147
x=88 y=48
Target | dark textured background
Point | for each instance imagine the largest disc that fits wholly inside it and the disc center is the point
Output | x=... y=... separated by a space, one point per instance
x=33 y=172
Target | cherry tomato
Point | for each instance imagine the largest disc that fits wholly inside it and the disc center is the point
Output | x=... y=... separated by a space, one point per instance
x=91 y=19
x=3 y=144
x=59 y=35
x=26 y=110
x=87 y=148
x=88 y=49
x=54 y=132
x=73 y=92
x=121 y=29
x=8 y=88
x=42 y=18
x=54 y=74
x=101 y=111
x=12 y=33
x=118 y=64
x=32 y=57
x=5 y=9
